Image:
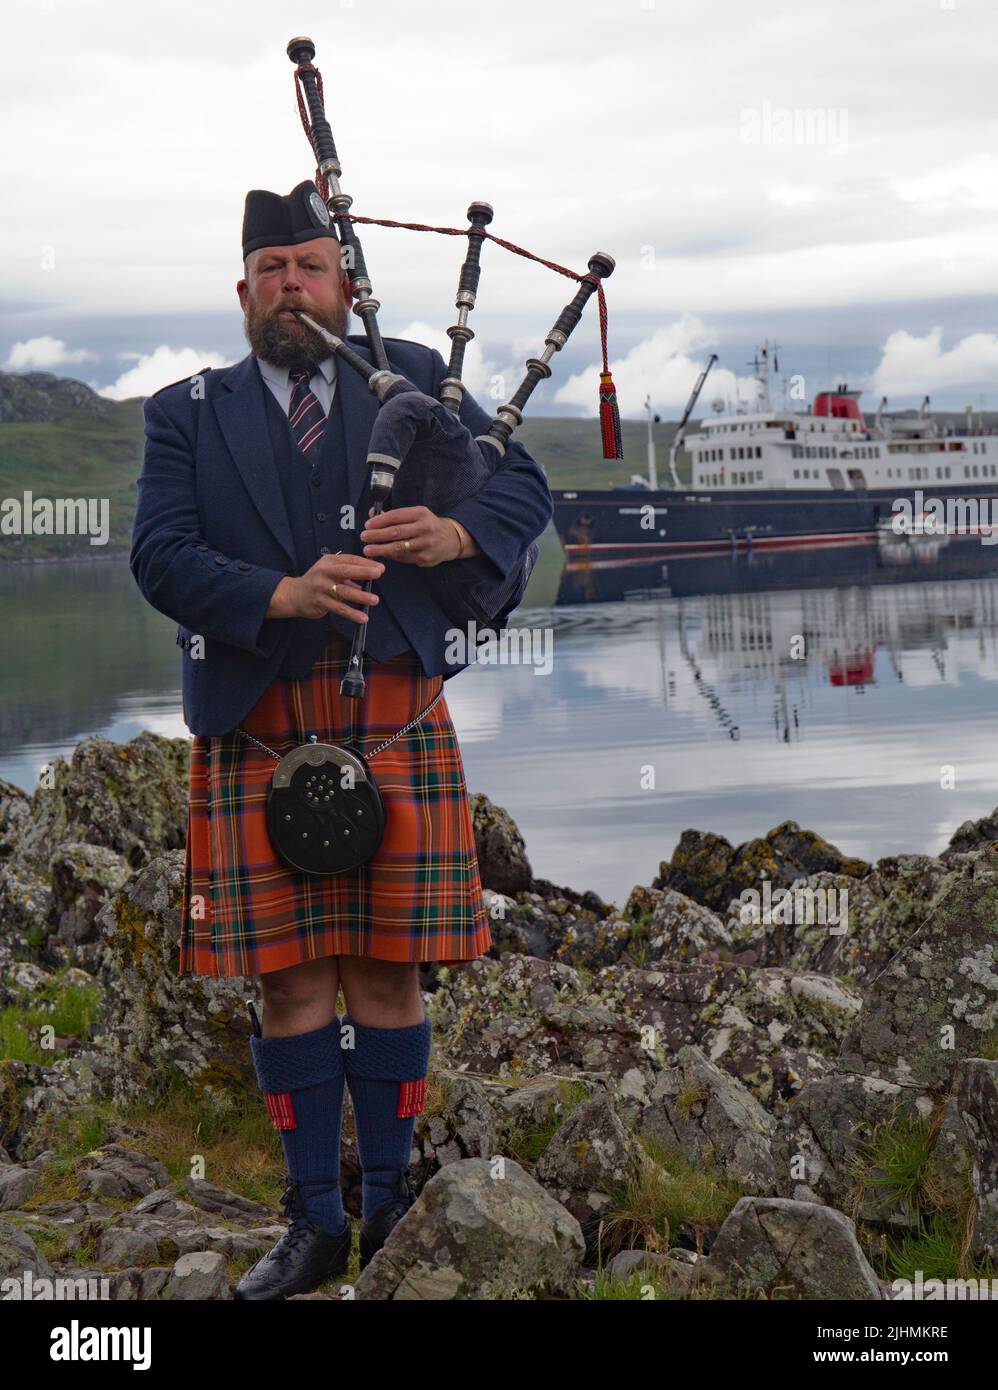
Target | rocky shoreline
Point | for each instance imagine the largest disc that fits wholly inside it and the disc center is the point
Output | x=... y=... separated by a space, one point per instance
x=674 y=1095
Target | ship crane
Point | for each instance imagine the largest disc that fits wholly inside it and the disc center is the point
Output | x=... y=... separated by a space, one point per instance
x=681 y=431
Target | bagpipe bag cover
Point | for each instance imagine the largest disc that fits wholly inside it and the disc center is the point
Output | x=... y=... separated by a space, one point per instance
x=442 y=464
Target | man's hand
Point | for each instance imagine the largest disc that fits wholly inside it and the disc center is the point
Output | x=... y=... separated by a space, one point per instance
x=416 y=536
x=311 y=595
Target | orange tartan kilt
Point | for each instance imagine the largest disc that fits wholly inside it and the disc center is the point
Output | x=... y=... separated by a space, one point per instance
x=418 y=899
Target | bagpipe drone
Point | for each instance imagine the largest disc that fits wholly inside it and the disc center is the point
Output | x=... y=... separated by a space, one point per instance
x=420 y=453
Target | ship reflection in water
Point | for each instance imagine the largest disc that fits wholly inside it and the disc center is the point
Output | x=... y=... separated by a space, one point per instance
x=854 y=690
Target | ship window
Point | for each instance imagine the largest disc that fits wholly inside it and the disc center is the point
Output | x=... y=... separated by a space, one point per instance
x=975 y=470
x=758 y=475
x=796 y=472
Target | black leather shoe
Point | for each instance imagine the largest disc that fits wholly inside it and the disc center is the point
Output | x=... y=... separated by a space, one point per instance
x=303 y=1258
x=382 y=1221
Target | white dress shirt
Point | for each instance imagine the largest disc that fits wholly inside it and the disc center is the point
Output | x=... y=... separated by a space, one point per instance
x=322 y=382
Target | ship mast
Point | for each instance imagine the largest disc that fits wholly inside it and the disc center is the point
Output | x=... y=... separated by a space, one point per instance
x=761 y=373
x=652 y=465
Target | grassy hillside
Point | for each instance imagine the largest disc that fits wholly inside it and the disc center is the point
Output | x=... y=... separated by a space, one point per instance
x=77 y=456
x=81 y=455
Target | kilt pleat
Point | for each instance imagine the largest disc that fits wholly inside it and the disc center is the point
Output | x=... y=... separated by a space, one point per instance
x=418 y=899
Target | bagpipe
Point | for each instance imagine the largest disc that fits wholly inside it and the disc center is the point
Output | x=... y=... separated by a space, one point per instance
x=420 y=453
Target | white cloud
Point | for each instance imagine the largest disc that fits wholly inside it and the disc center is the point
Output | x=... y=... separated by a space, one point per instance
x=918 y=99
x=665 y=367
x=790 y=195
x=971 y=183
x=478 y=370
x=911 y=366
x=43 y=354
x=155 y=369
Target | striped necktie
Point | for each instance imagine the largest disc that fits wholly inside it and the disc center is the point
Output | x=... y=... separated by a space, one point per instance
x=305 y=413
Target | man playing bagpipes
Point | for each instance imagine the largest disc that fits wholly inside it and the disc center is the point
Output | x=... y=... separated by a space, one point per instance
x=265 y=516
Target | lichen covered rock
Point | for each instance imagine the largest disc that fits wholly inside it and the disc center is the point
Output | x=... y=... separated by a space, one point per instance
x=710 y=869
x=157 y=1022
x=477 y=1231
x=937 y=1000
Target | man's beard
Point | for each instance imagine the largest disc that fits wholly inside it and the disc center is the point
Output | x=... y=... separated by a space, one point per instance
x=289 y=342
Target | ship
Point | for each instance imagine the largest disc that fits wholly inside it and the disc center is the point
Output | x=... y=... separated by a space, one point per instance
x=764 y=479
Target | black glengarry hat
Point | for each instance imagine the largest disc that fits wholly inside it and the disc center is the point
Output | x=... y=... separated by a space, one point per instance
x=272 y=220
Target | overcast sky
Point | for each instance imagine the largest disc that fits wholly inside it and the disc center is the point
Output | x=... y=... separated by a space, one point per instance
x=825 y=174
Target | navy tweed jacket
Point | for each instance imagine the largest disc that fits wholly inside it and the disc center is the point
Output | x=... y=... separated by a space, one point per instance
x=212 y=537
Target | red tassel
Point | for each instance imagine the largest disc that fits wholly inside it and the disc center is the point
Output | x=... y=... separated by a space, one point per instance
x=609 y=418
x=280 y=1109
x=412 y=1096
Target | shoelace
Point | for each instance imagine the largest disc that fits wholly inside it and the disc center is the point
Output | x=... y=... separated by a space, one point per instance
x=299 y=1223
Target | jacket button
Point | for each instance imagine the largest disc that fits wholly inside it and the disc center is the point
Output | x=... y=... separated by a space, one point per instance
x=320 y=516
x=242 y=565
x=221 y=560
x=323 y=549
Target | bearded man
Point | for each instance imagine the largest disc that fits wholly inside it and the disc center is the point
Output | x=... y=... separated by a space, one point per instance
x=254 y=533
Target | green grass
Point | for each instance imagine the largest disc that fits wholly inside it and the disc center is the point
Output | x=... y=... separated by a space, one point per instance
x=668 y=1196
x=78 y=456
x=239 y=1146
x=70 y=1010
x=897 y=1164
x=525 y=1143
x=898 y=1157
x=689 y=1098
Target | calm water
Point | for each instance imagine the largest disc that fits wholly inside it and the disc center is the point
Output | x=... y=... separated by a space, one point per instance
x=672 y=700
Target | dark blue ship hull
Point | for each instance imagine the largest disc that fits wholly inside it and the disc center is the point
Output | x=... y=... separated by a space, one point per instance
x=614 y=524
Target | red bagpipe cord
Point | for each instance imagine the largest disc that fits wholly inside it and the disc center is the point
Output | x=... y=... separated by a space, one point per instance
x=609 y=413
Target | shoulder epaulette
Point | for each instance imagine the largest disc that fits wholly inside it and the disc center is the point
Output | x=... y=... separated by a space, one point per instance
x=182 y=380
